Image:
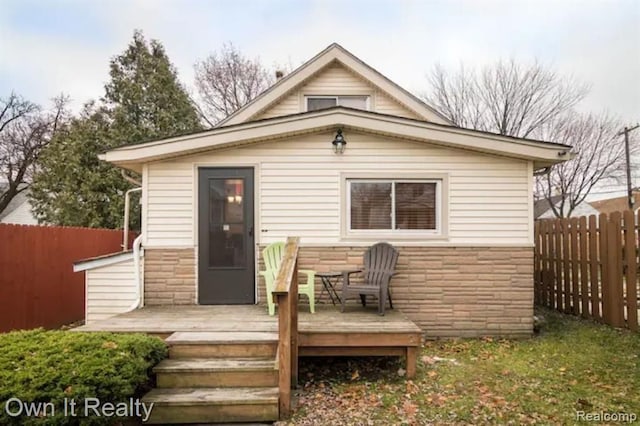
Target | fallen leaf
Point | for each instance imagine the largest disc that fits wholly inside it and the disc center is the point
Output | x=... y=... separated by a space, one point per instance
x=428 y=360
x=401 y=372
x=355 y=375
x=432 y=374
x=109 y=345
x=409 y=408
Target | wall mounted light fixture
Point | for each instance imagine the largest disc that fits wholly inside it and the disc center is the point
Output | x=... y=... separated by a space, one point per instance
x=339 y=144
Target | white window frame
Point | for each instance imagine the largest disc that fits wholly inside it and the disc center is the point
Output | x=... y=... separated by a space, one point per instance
x=393 y=231
x=337 y=98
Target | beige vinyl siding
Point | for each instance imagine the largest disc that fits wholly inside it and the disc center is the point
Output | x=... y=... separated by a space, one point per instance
x=336 y=80
x=386 y=105
x=111 y=290
x=298 y=181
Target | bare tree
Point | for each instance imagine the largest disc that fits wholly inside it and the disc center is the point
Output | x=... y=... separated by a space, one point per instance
x=506 y=98
x=226 y=81
x=599 y=155
x=534 y=102
x=25 y=129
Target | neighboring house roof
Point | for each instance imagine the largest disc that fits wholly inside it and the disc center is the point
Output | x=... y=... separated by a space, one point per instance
x=543 y=154
x=616 y=204
x=19 y=209
x=542 y=208
x=333 y=53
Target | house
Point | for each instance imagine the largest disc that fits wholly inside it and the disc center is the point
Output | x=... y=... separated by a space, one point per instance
x=457 y=203
x=542 y=208
x=18 y=211
x=617 y=204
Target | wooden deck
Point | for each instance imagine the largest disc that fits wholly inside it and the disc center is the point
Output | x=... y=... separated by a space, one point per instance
x=357 y=331
x=327 y=321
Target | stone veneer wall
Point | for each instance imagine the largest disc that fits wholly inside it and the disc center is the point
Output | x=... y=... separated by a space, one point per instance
x=169 y=277
x=448 y=291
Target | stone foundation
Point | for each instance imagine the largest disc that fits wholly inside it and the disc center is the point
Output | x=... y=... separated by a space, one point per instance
x=169 y=277
x=448 y=291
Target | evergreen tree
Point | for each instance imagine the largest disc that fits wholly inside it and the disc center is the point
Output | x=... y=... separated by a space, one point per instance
x=143 y=100
x=72 y=187
x=144 y=97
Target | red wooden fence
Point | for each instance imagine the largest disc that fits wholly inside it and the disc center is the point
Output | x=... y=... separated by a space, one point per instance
x=38 y=287
x=589 y=267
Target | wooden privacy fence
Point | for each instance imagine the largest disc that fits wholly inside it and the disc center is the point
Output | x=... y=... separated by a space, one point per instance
x=38 y=287
x=589 y=267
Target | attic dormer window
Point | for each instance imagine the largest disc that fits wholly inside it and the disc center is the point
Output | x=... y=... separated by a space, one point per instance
x=315 y=103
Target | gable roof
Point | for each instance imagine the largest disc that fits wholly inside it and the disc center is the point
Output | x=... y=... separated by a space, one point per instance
x=333 y=53
x=616 y=204
x=17 y=201
x=543 y=154
x=543 y=205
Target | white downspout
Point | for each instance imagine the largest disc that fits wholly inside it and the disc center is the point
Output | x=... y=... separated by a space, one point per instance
x=127 y=203
x=137 y=251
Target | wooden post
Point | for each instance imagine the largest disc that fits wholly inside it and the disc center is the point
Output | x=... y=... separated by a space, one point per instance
x=566 y=263
x=545 y=263
x=537 y=270
x=284 y=354
x=604 y=267
x=293 y=299
x=594 y=274
x=412 y=360
x=552 y=265
x=616 y=297
x=558 y=257
x=285 y=294
x=575 y=258
x=584 y=267
x=631 y=276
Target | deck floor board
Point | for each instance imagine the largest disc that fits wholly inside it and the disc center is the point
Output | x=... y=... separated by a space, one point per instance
x=253 y=318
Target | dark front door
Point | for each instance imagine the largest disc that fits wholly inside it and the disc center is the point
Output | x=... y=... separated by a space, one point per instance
x=226 y=269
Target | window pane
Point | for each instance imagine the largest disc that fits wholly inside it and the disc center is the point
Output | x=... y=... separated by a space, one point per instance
x=226 y=223
x=359 y=102
x=415 y=205
x=314 y=104
x=370 y=205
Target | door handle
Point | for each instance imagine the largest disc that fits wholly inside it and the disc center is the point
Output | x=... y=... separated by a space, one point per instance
x=251 y=231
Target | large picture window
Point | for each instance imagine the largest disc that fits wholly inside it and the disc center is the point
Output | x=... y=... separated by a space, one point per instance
x=394 y=205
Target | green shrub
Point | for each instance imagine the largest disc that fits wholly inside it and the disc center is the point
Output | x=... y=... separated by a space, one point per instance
x=39 y=366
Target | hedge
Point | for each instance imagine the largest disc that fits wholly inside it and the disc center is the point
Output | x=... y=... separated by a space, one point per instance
x=39 y=367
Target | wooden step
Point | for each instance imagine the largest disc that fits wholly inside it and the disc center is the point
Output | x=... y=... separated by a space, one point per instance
x=206 y=344
x=216 y=372
x=212 y=405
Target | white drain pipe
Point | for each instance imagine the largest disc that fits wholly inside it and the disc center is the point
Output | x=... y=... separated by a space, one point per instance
x=127 y=203
x=137 y=251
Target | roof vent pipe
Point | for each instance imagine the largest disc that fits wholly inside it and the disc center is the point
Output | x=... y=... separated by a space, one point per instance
x=279 y=75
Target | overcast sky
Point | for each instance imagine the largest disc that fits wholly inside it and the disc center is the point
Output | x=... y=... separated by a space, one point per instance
x=48 y=47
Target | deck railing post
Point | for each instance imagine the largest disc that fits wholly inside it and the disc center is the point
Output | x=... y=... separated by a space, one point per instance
x=285 y=294
x=293 y=297
x=284 y=353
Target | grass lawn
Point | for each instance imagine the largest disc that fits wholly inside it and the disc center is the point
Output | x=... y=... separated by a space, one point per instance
x=572 y=365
